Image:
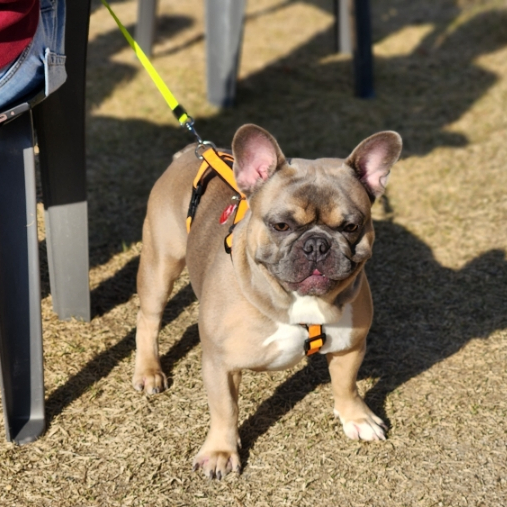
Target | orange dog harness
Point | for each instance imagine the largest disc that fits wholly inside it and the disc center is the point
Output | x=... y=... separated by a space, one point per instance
x=221 y=163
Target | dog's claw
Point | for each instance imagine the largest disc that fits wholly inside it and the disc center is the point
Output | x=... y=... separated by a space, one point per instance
x=217 y=464
x=152 y=381
x=368 y=430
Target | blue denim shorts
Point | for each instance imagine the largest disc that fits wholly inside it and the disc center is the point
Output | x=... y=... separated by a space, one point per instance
x=41 y=66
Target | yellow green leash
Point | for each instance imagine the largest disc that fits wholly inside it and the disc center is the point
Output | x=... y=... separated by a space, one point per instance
x=178 y=110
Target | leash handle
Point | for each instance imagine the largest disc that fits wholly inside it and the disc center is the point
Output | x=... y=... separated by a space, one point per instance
x=178 y=110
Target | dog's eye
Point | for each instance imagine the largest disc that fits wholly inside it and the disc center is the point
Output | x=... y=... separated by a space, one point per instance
x=351 y=228
x=281 y=227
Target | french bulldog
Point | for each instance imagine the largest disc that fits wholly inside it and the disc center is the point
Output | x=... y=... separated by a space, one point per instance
x=298 y=257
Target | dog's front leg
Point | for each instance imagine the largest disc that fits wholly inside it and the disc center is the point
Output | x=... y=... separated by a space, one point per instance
x=219 y=454
x=358 y=421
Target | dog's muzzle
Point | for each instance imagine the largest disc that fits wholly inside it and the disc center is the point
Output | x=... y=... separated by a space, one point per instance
x=316 y=248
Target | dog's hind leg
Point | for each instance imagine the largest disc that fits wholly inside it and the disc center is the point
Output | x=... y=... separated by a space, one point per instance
x=160 y=265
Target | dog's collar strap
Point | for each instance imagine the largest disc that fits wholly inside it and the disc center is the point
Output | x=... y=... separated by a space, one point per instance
x=316 y=338
x=220 y=163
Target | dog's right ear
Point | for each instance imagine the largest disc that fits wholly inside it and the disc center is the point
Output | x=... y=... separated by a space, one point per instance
x=256 y=157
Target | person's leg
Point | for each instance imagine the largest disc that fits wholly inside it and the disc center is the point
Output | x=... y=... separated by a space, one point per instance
x=42 y=64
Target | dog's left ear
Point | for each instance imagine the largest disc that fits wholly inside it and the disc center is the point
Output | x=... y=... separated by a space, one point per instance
x=372 y=160
x=256 y=157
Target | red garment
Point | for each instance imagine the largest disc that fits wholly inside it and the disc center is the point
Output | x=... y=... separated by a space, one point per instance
x=18 y=23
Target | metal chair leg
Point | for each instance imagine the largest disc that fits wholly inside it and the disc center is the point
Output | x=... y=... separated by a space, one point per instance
x=60 y=126
x=363 y=58
x=343 y=30
x=353 y=36
x=145 y=27
x=20 y=296
x=224 y=32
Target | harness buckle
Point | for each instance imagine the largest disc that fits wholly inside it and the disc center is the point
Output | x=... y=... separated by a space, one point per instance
x=228 y=240
x=197 y=192
x=314 y=344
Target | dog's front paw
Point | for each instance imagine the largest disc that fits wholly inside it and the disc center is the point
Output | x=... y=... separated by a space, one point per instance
x=217 y=464
x=367 y=427
x=151 y=381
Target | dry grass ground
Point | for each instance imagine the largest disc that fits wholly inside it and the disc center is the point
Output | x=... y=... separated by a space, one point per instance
x=436 y=364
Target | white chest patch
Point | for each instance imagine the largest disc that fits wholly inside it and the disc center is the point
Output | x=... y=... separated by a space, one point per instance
x=306 y=310
x=339 y=335
x=289 y=338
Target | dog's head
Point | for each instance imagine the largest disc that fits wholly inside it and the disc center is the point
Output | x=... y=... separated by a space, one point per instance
x=310 y=225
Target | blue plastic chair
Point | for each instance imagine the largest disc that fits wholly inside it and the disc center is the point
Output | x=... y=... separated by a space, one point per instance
x=58 y=122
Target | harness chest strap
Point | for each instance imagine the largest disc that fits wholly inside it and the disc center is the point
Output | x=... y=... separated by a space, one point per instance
x=316 y=338
x=218 y=161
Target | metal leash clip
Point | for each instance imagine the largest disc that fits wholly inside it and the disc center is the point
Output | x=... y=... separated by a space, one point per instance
x=189 y=124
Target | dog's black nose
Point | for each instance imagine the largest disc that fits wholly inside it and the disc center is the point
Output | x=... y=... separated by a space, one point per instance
x=316 y=248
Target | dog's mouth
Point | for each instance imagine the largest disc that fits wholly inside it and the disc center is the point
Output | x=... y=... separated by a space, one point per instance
x=296 y=273
x=317 y=284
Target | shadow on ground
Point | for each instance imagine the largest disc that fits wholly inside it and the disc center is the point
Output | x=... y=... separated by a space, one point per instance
x=102 y=365
x=304 y=100
x=424 y=312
